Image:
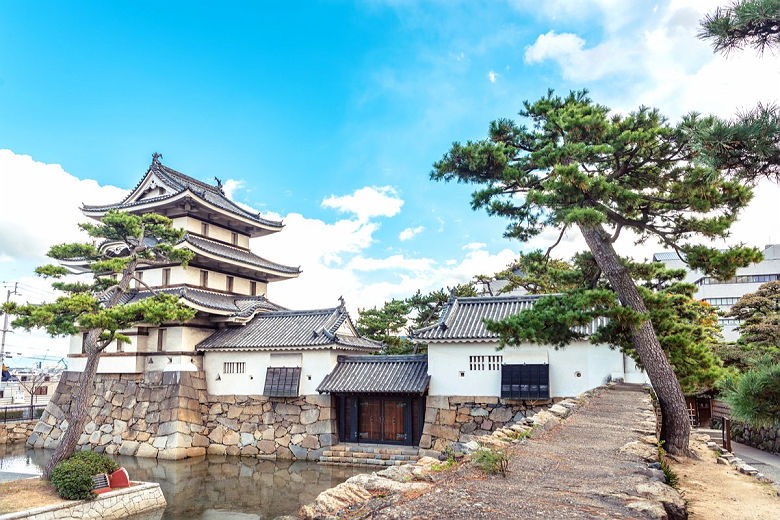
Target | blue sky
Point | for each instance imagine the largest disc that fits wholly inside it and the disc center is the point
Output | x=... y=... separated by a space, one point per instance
x=296 y=105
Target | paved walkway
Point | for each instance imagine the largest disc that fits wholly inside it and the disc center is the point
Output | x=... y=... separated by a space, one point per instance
x=765 y=462
x=573 y=471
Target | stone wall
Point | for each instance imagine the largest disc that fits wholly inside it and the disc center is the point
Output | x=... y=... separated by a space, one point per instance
x=16 y=431
x=767 y=439
x=287 y=428
x=141 y=498
x=169 y=415
x=461 y=418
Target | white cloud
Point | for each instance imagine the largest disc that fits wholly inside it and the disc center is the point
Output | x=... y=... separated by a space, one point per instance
x=367 y=202
x=39 y=206
x=473 y=246
x=230 y=186
x=492 y=75
x=657 y=59
x=409 y=233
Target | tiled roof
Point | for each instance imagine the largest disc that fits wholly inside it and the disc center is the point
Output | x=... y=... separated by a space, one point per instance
x=241 y=255
x=239 y=306
x=463 y=318
x=667 y=255
x=282 y=381
x=378 y=375
x=289 y=329
x=180 y=182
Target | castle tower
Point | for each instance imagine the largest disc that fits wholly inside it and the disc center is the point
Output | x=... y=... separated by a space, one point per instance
x=225 y=282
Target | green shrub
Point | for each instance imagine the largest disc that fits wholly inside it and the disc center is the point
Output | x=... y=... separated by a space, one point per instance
x=671 y=477
x=492 y=461
x=73 y=477
x=97 y=463
x=754 y=396
x=73 y=480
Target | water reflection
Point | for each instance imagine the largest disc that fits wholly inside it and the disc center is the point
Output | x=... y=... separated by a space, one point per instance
x=214 y=487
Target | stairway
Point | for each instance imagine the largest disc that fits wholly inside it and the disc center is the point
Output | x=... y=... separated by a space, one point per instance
x=353 y=454
x=716 y=436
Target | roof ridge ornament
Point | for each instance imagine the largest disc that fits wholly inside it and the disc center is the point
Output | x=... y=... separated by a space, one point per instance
x=156 y=159
x=219 y=185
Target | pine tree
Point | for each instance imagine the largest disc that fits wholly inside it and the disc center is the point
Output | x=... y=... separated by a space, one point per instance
x=96 y=309
x=578 y=166
x=753 y=23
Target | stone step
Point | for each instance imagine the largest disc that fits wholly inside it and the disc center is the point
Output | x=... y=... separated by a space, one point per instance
x=354 y=461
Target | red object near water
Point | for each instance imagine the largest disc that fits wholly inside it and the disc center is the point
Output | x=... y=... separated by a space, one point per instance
x=119 y=478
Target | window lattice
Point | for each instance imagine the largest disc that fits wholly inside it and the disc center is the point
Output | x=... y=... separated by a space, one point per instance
x=234 y=367
x=485 y=362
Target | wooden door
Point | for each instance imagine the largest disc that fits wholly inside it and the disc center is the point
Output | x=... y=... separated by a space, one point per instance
x=393 y=420
x=370 y=420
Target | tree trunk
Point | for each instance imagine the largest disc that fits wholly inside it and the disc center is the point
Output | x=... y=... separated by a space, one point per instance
x=675 y=426
x=79 y=406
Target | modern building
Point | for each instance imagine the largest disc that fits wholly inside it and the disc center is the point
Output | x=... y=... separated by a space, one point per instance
x=724 y=294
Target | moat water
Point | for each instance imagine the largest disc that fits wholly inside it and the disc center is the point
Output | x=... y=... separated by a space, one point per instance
x=213 y=487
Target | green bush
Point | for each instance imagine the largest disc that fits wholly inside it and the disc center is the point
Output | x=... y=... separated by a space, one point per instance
x=73 y=477
x=492 y=461
x=754 y=396
x=97 y=463
x=73 y=480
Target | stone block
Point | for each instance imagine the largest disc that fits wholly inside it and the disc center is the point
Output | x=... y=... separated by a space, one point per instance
x=169 y=427
x=446 y=417
x=328 y=439
x=200 y=441
x=231 y=438
x=287 y=409
x=425 y=442
x=190 y=416
x=283 y=441
x=468 y=427
x=298 y=428
x=119 y=427
x=501 y=414
x=159 y=442
x=298 y=452
x=233 y=411
x=247 y=439
x=216 y=449
x=217 y=434
x=310 y=442
x=233 y=451
x=310 y=416
x=90 y=427
x=438 y=401
x=249 y=451
x=319 y=427
x=146 y=451
x=296 y=439
x=196 y=451
x=266 y=446
x=444 y=432
x=172 y=454
x=178 y=440
x=486 y=424
x=268 y=418
x=142 y=436
x=128 y=448
x=478 y=412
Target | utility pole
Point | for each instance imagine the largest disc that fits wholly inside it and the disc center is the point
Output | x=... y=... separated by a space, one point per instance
x=5 y=323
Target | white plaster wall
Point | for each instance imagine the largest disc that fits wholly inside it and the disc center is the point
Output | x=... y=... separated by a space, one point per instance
x=595 y=363
x=315 y=365
x=216 y=232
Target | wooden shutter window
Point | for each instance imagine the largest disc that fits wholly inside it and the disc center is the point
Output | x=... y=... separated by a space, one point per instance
x=204 y=229
x=204 y=278
x=234 y=238
x=160 y=339
x=229 y=284
x=166 y=277
x=253 y=288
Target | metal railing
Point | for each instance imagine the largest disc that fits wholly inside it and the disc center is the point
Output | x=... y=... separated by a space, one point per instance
x=20 y=413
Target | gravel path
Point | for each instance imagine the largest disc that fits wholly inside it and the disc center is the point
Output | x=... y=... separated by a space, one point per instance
x=574 y=470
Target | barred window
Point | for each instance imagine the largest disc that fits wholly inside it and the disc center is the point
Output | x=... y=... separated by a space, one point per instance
x=721 y=301
x=234 y=367
x=485 y=362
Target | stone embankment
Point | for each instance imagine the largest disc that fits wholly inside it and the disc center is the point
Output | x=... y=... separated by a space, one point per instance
x=16 y=431
x=767 y=438
x=141 y=497
x=169 y=415
x=463 y=418
x=601 y=461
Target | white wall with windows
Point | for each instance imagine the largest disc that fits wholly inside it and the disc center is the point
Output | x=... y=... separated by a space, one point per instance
x=471 y=368
x=212 y=231
x=243 y=373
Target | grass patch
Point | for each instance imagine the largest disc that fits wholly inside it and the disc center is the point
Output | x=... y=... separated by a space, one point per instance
x=492 y=461
x=671 y=477
x=26 y=493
